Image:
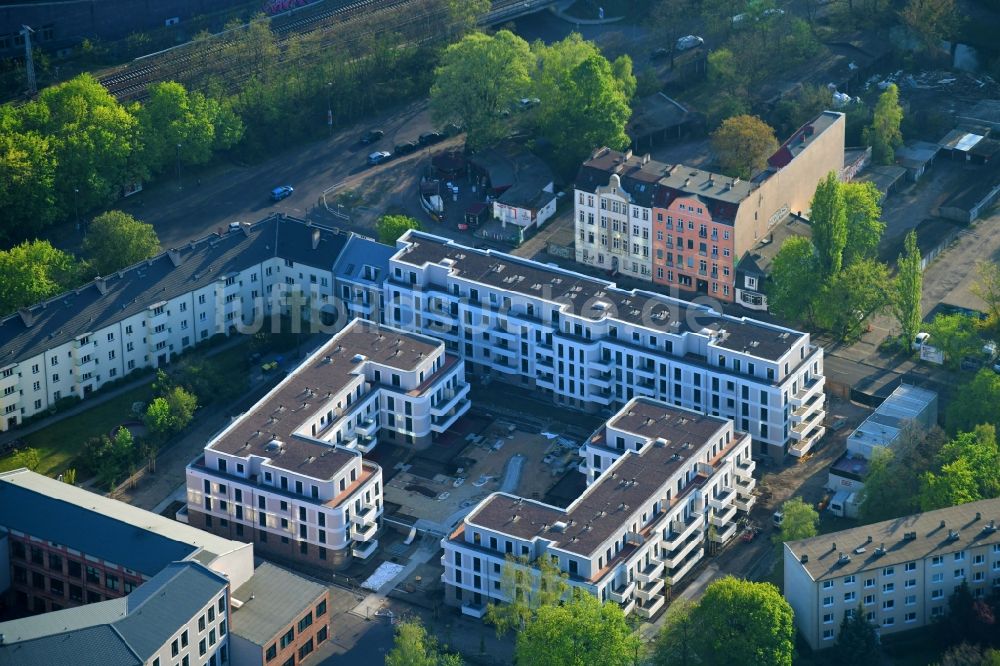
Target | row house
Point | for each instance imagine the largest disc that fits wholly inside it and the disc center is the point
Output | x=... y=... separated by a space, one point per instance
x=180 y=617
x=67 y=546
x=663 y=483
x=900 y=573
x=146 y=314
x=589 y=345
x=685 y=228
x=289 y=476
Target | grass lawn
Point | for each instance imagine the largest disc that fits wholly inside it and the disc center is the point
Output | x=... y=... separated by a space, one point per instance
x=59 y=443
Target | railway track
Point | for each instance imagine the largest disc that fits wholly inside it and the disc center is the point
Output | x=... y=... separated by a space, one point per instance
x=130 y=83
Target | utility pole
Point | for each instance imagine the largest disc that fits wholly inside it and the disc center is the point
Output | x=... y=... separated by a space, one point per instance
x=179 y=188
x=29 y=62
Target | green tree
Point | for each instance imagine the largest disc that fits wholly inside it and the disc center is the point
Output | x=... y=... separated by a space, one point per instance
x=479 y=78
x=884 y=135
x=851 y=296
x=743 y=144
x=967 y=654
x=893 y=474
x=907 y=289
x=976 y=402
x=979 y=449
x=676 y=643
x=29 y=458
x=414 y=647
x=32 y=272
x=857 y=642
x=956 y=335
x=182 y=407
x=794 y=110
x=390 y=227
x=464 y=15
x=828 y=216
x=525 y=591
x=795 y=265
x=116 y=240
x=742 y=622
x=27 y=179
x=864 y=223
x=954 y=484
x=725 y=73
x=668 y=20
x=580 y=631
x=933 y=21
x=157 y=417
x=800 y=521
x=987 y=287
x=69 y=476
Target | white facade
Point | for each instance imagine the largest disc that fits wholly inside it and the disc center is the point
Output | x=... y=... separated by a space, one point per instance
x=613 y=231
x=900 y=572
x=644 y=520
x=591 y=345
x=906 y=405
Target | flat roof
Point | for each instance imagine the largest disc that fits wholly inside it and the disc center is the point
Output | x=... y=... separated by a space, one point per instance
x=967 y=525
x=99 y=526
x=905 y=403
x=614 y=496
x=802 y=138
x=959 y=139
x=851 y=466
x=279 y=414
x=581 y=294
x=271 y=600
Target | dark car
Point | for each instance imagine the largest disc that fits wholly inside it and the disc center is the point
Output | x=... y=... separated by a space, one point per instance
x=428 y=138
x=659 y=53
x=405 y=148
x=372 y=136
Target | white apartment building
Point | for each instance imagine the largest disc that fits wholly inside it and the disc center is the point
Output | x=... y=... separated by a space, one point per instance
x=620 y=241
x=900 y=572
x=288 y=475
x=144 y=315
x=668 y=481
x=590 y=345
x=179 y=617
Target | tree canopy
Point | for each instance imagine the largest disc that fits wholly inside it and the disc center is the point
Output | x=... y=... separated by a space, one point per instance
x=969 y=471
x=676 y=643
x=414 y=647
x=907 y=289
x=743 y=144
x=933 y=21
x=526 y=591
x=479 y=79
x=579 y=632
x=893 y=474
x=116 y=240
x=857 y=642
x=884 y=135
x=828 y=217
x=864 y=221
x=977 y=402
x=34 y=271
x=800 y=521
x=794 y=266
x=390 y=227
x=850 y=296
x=957 y=335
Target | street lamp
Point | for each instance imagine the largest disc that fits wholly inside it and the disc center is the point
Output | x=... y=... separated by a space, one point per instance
x=76 y=207
x=329 y=107
x=179 y=167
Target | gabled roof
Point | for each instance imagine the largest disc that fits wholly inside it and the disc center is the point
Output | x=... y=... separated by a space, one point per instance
x=360 y=252
x=272 y=599
x=168 y=275
x=94 y=646
x=99 y=526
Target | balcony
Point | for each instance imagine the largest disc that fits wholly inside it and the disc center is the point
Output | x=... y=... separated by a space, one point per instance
x=722 y=518
x=746 y=503
x=809 y=408
x=685 y=565
x=808 y=390
x=474 y=610
x=722 y=535
x=652 y=571
x=602 y=364
x=450 y=399
x=744 y=488
x=622 y=593
x=745 y=469
x=723 y=500
x=364 y=551
x=366 y=444
x=649 y=608
x=367 y=516
x=679 y=555
x=647 y=592
x=628 y=606
x=445 y=421
x=806 y=442
x=366 y=532
x=368 y=428
x=600 y=380
x=679 y=531
x=543 y=363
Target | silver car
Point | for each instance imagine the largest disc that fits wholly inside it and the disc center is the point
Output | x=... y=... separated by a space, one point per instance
x=689 y=42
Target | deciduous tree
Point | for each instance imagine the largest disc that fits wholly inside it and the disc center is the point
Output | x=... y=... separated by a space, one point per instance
x=668 y=21
x=793 y=270
x=894 y=473
x=953 y=484
x=828 y=217
x=864 y=223
x=851 y=296
x=884 y=135
x=976 y=402
x=956 y=335
x=29 y=458
x=676 y=643
x=742 y=622
x=800 y=521
x=480 y=78
x=987 y=287
x=390 y=227
x=116 y=240
x=580 y=631
x=525 y=591
x=807 y=102
x=743 y=144
x=27 y=180
x=414 y=647
x=33 y=271
x=931 y=20
x=907 y=289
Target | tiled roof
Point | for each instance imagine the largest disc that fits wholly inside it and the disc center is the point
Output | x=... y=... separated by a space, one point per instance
x=93 y=646
x=271 y=600
x=130 y=291
x=360 y=252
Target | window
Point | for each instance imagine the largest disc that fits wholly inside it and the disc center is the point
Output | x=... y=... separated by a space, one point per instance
x=305 y=622
x=960 y=573
x=937 y=578
x=960 y=556
x=936 y=561
x=869 y=599
x=888 y=604
x=849 y=580
x=888 y=587
x=828 y=634
x=321 y=608
x=272 y=652
x=173 y=648
x=910 y=599
x=287 y=639
x=910 y=583
x=910 y=566
x=828 y=601
x=910 y=617
x=849 y=597
x=869 y=582
x=827 y=584
x=889 y=571
x=888 y=622
x=828 y=618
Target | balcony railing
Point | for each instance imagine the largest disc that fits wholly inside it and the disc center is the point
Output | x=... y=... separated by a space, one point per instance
x=474 y=610
x=746 y=503
x=652 y=571
x=649 y=608
x=646 y=592
x=723 y=500
x=622 y=593
x=363 y=551
x=365 y=533
x=722 y=518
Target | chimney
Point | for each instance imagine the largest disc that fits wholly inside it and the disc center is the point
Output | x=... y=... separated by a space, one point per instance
x=628 y=155
x=27 y=316
x=804 y=559
x=101 y=284
x=979 y=516
x=315 y=238
x=175 y=257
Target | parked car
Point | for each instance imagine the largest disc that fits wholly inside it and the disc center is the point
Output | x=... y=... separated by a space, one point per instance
x=451 y=129
x=279 y=193
x=428 y=138
x=529 y=103
x=235 y=226
x=378 y=157
x=661 y=52
x=920 y=340
x=689 y=42
x=777 y=518
x=372 y=136
x=405 y=148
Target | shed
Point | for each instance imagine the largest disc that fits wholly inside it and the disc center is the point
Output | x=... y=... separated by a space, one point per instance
x=916 y=157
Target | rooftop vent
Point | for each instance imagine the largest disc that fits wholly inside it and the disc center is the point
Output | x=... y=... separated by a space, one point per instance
x=661 y=442
x=952 y=535
x=274 y=445
x=358 y=358
x=558 y=526
x=844 y=558
x=991 y=527
x=909 y=536
x=859 y=550
x=880 y=551
x=804 y=559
